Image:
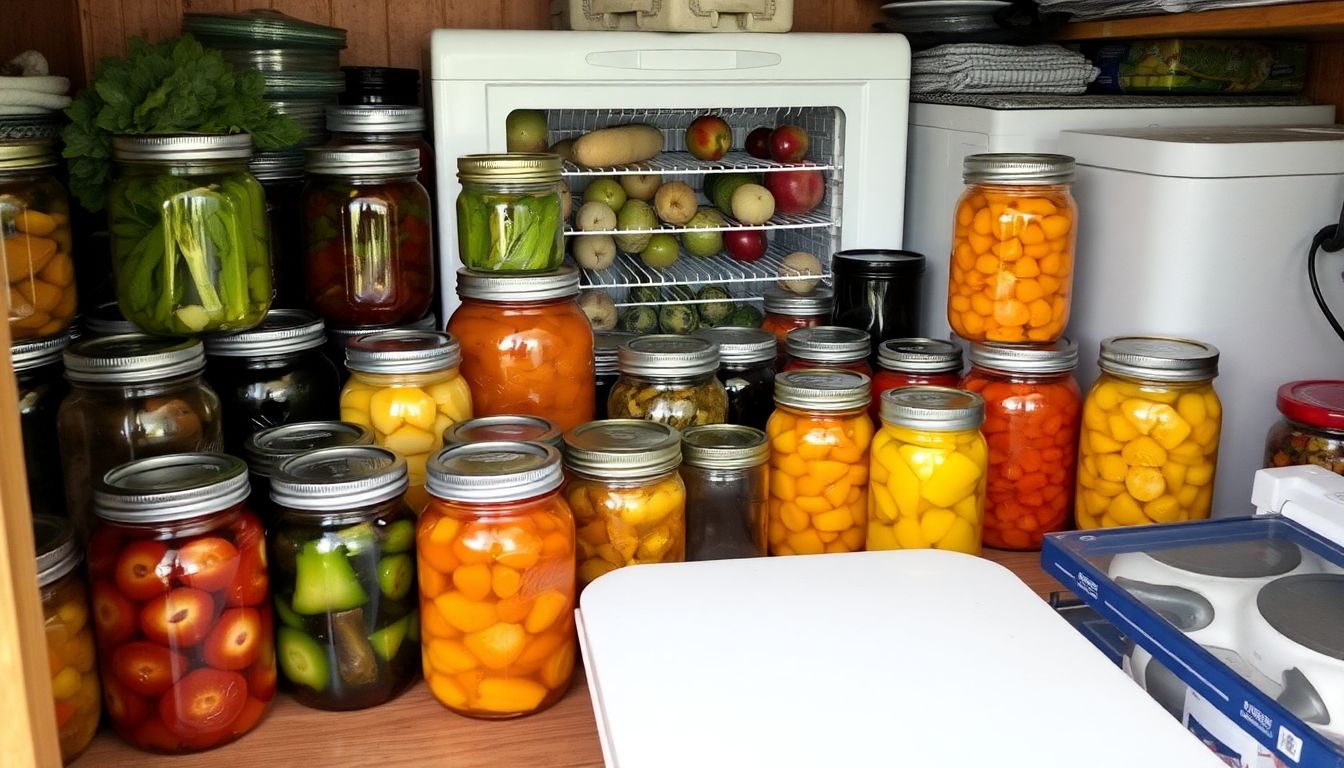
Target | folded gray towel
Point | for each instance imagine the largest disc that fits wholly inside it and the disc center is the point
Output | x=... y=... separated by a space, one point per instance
x=991 y=68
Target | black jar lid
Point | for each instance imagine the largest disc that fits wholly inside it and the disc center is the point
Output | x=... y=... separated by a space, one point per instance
x=877 y=262
x=381 y=85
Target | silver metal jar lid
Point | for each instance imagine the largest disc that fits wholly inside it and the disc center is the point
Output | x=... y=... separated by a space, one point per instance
x=343 y=336
x=667 y=355
x=622 y=448
x=281 y=332
x=375 y=119
x=815 y=389
x=363 y=160
x=277 y=166
x=724 y=446
x=27 y=154
x=267 y=449
x=181 y=146
x=936 y=409
x=494 y=471
x=519 y=167
x=57 y=553
x=503 y=286
x=26 y=355
x=919 y=355
x=1017 y=168
x=107 y=320
x=508 y=428
x=606 y=345
x=339 y=479
x=1059 y=357
x=817 y=302
x=132 y=357
x=402 y=351
x=741 y=346
x=828 y=344
x=1159 y=358
x=163 y=489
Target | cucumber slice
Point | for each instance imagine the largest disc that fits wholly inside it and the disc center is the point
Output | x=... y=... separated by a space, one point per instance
x=357 y=539
x=396 y=574
x=302 y=660
x=387 y=641
x=324 y=582
x=286 y=614
x=399 y=537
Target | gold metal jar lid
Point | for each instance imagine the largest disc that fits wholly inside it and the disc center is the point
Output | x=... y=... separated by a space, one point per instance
x=512 y=166
x=27 y=154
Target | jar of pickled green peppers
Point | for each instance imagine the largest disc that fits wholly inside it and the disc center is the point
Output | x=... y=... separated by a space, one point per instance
x=508 y=213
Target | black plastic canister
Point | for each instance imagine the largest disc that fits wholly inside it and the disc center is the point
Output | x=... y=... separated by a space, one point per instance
x=878 y=290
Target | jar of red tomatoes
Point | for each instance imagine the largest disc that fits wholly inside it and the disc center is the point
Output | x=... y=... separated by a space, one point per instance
x=367 y=229
x=830 y=347
x=383 y=124
x=181 y=606
x=1032 y=409
x=786 y=310
x=913 y=362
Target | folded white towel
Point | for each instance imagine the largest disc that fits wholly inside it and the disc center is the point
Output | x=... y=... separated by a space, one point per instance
x=17 y=97
x=39 y=83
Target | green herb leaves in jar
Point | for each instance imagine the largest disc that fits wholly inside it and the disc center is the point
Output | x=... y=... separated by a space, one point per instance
x=508 y=213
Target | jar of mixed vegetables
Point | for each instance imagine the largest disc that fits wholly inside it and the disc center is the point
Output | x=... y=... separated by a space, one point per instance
x=267 y=449
x=508 y=213
x=1311 y=430
x=70 y=651
x=786 y=310
x=669 y=379
x=37 y=371
x=629 y=502
x=726 y=469
x=384 y=124
x=35 y=241
x=367 y=227
x=527 y=347
x=606 y=345
x=180 y=603
x=515 y=429
x=914 y=362
x=830 y=347
x=747 y=372
x=343 y=564
x=496 y=550
x=1148 y=450
x=191 y=247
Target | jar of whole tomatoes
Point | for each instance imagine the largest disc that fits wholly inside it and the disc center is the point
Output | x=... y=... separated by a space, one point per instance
x=496 y=551
x=65 y=615
x=669 y=379
x=384 y=124
x=35 y=241
x=830 y=347
x=819 y=439
x=786 y=310
x=37 y=371
x=629 y=502
x=747 y=372
x=515 y=429
x=405 y=386
x=1311 y=430
x=914 y=362
x=726 y=469
x=527 y=347
x=181 y=603
x=1013 y=249
x=605 y=371
x=131 y=397
x=508 y=213
x=342 y=544
x=1032 y=409
x=266 y=450
x=1148 y=450
x=367 y=227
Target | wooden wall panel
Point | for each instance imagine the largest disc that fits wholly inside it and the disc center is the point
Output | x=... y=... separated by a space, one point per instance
x=49 y=26
x=1325 y=78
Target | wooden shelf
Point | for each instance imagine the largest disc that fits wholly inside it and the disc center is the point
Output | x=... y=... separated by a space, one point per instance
x=1320 y=20
x=414 y=730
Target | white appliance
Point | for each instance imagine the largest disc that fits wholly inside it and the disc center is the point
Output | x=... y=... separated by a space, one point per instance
x=850 y=92
x=942 y=135
x=1203 y=233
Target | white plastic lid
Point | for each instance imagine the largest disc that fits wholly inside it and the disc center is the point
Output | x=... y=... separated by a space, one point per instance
x=1211 y=153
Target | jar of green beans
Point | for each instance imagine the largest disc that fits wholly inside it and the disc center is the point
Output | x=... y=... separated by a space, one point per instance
x=509 y=213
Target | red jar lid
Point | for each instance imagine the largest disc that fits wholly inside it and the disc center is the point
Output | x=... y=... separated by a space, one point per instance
x=1319 y=403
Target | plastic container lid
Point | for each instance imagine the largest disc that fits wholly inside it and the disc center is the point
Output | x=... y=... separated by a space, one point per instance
x=622 y=448
x=877 y=262
x=509 y=428
x=494 y=471
x=181 y=146
x=505 y=286
x=107 y=320
x=1315 y=402
x=57 y=552
x=1059 y=357
x=667 y=355
x=1017 y=168
x=402 y=351
x=27 y=154
x=363 y=160
x=935 y=409
x=282 y=332
x=178 y=486
x=260 y=27
x=783 y=302
x=303 y=85
x=1159 y=358
x=741 y=346
x=339 y=479
x=513 y=166
x=375 y=119
x=132 y=357
x=267 y=449
x=822 y=390
x=606 y=345
x=724 y=446
x=27 y=355
x=919 y=355
x=828 y=344
x=282 y=59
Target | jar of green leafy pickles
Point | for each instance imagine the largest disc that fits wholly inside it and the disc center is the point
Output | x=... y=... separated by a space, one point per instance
x=508 y=212
x=190 y=240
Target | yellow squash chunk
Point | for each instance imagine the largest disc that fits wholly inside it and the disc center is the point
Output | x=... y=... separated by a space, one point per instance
x=655 y=545
x=559 y=668
x=936 y=523
x=1141 y=413
x=1206 y=435
x=794 y=518
x=1174 y=473
x=961 y=537
x=969 y=509
x=1094 y=418
x=954 y=479
x=883 y=506
x=827 y=472
x=1107 y=395
x=1144 y=483
x=806 y=543
x=1187 y=495
x=545 y=610
x=837 y=493
x=410 y=440
x=451 y=656
x=834 y=520
x=812 y=505
x=1100 y=442
x=463 y=614
x=1124 y=509
x=447 y=691
x=1199 y=474
x=921 y=461
x=782 y=486
x=882 y=537
x=1163 y=509
x=792 y=464
x=910 y=534
x=624 y=538
x=785 y=442
x=1144 y=451
x=505 y=581
x=1191 y=407
x=498 y=645
x=1112 y=467
x=1188 y=453
x=809 y=486
x=508 y=694
x=1170 y=430
x=813 y=451
x=1120 y=429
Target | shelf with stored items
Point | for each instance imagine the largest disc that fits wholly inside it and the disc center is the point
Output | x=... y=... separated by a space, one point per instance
x=1315 y=20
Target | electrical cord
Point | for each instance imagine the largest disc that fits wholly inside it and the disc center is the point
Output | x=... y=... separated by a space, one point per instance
x=1330 y=238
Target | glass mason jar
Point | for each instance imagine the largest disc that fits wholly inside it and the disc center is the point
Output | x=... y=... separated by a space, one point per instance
x=747 y=371
x=107 y=320
x=1148 y=450
x=819 y=439
x=668 y=379
x=267 y=449
x=726 y=469
x=929 y=470
x=339 y=338
x=181 y=604
x=515 y=429
x=629 y=502
x=272 y=375
x=70 y=651
x=1032 y=411
x=913 y=362
x=35 y=241
x=1013 y=249
x=42 y=388
x=1310 y=432
x=878 y=291
x=368 y=233
x=191 y=248
x=404 y=385
x=786 y=310
x=131 y=397
x=342 y=557
x=527 y=347
x=605 y=370
x=282 y=180
x=496 y=551
x=401 y=126
x=830 y=347
x=508 y=213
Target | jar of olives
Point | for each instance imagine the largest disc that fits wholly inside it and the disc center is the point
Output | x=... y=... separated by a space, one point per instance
x=669 y=379
x=65 y=614
x=913 y=362
x=830 y=347
x=747 y=371
x=605 y=370
x=1312 y=428
x=726 y=469
x=266 y=450
x=37 y=371
x=517 y=429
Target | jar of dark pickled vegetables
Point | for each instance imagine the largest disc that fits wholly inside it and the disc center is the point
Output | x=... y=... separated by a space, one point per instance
x=266 y=450
x=37 y=371
x=913 y=362
x=747 y=370
x=282 y=177
x=828 y=346
x=605 y=346
x=508 y=213
x=384 y=124
x=669 y=379
x=65 y=619
x=518 y=429
x=1312 y=428
x=726 y=469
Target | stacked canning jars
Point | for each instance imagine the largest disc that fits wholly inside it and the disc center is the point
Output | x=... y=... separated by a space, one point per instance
x=828 y=346
x=401 y=126
x=37 y=371
x=267 y=449
x=35 y=241
x=786 y=310
x=65 y=614
x=508 y=213
x=913 y=362
x=747 y=372
x=669 y=379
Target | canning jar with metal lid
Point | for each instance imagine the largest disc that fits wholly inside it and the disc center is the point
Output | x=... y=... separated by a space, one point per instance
x=272 y=375
x=342 y=553
x=106 y=320
x=747 y=371
x=496 y=551
x=879 y=291
x=527 y=347
x=181 y=604
x=339 y=338
x=367 y=227
x=191 y=248
x=35 y=241
x=726 y=469
x=830 y=347
x=1013 y=248
x=605 y=371
x=912 y=362
x=508 y=212
x=405 y=386
x=282 y=179
x=267 y=449
x=518 y=429
x=65 y=618
x=131 y=396
x=42 y=388
x=819 y=438
x=1311 y=430
x=669 y=379
x=1148 y=452
x=384 y=124
x=786 y=310
x=629 y=502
